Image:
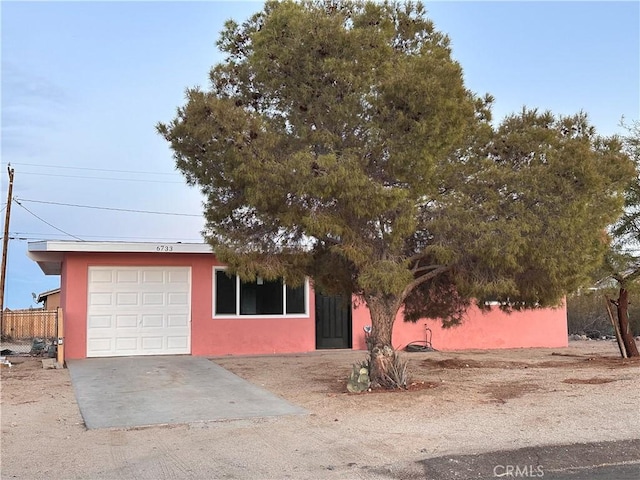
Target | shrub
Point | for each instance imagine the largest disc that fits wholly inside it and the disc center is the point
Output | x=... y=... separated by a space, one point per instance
x=587 y=314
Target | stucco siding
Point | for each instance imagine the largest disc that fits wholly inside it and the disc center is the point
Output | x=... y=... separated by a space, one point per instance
x=291 y=334
x=479 y=330
x=209 y=336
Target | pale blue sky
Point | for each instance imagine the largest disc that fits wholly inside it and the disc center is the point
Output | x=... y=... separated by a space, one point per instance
x=84 y=83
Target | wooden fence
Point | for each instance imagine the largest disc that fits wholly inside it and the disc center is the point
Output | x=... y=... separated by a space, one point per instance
x=24 y=324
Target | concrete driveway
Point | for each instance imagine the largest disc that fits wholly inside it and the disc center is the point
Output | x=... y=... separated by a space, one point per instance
x=127 y=392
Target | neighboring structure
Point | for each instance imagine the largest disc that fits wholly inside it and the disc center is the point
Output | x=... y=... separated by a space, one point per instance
x=25 y=324
x=121 y=299
x=50 y=298
x=28 y=323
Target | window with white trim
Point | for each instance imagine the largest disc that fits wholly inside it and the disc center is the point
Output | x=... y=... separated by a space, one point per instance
x=233 y=297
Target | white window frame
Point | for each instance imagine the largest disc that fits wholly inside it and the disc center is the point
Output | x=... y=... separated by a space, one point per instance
x=273 y=315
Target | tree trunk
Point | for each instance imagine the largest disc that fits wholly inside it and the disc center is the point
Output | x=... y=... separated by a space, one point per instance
x=616 y=326
x=382 y=356
x=622 y=310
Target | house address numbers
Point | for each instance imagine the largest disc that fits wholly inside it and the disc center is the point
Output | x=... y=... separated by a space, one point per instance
x=164 y=248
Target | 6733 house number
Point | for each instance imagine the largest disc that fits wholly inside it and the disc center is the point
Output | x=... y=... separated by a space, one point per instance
x=164 y=248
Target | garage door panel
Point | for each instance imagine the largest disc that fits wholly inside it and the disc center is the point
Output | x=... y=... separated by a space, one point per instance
x=152 y=321
x=126 y=276
x=127 y=299
x=152 y=276
x=139 y=311
x=126 y=321
x=100 y=346
x=178 y=277
x=177 y=299
x=100 y=276
x=100 y=321
x=153 y=299
x=177 y=343
x=153 y=344
x=126 y=344
x=177 y=320
x=100 y=299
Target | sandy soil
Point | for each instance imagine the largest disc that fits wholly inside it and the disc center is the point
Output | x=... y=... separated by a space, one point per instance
x=460 y=403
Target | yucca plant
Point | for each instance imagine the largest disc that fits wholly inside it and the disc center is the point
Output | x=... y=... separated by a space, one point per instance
x=397 y=376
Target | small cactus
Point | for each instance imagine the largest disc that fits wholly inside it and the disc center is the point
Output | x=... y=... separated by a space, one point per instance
x=359 y=379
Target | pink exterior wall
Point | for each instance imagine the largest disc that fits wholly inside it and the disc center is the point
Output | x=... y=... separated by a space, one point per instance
x=246 y=335
x=209 y=336
x=494 y=329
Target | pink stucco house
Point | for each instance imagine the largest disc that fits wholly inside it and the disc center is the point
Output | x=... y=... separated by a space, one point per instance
x=122 y=299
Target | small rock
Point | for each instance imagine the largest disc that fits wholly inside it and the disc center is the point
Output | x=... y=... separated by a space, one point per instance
x=48 y=363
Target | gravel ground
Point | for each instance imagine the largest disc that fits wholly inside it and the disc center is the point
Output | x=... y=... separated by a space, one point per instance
x=460 y=403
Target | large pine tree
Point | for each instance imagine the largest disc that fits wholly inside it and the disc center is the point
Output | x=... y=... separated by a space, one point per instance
x=337 y=140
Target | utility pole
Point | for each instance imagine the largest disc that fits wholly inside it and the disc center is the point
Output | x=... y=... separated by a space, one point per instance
x=5 y=246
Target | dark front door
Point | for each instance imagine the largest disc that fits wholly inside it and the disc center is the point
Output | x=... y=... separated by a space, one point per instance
x=333 y=322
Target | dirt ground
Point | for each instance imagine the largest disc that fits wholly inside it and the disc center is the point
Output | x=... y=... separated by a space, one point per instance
x=459 y=403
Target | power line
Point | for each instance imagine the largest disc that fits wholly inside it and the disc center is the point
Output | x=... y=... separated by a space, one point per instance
x=110 y=208
x=44 y=221
x=99 y=178
x=44 y=236
x=91 y=169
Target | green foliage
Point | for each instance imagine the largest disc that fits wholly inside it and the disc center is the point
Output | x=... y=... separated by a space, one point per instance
x=622 y=262
x=337 y=140
x=627 y=229
x=437 y=298
x=531 y=218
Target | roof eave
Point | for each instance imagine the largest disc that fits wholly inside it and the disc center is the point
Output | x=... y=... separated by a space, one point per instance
x=49 y=254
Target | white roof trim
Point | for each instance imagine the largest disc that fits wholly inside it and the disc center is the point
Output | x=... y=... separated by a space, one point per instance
x=46 y=294
x=48 y=254
x=49 y=262
x=118 y=247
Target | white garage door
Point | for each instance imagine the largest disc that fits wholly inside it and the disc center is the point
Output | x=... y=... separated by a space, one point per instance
x=138 y=311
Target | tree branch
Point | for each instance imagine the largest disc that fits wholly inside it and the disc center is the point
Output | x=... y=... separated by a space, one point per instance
x=632 y=276
x=426 y=268
x=420 y=280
